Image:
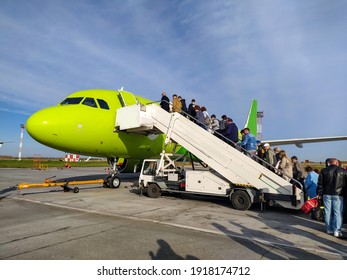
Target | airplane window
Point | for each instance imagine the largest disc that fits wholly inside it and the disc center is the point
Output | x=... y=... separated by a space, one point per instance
x=103 y=104
x=89 y=102
x=71 y=101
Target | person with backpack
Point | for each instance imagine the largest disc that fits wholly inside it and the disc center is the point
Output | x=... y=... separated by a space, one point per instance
x=199 y=116
x=261 y=153
x=207 y=119
x=184 y=106
x=214 y=123
x=222 y=125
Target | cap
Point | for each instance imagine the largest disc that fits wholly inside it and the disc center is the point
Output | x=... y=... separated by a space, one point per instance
x=266 y=145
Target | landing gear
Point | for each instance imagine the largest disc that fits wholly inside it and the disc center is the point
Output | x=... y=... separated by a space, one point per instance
x=112 y=180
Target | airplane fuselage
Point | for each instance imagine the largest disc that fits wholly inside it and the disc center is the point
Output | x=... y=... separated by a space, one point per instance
x=84 y=123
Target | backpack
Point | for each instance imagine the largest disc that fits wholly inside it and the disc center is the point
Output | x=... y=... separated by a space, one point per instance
x=318 y=214
x=207 y=120
x=274 y=159
x=222 y=125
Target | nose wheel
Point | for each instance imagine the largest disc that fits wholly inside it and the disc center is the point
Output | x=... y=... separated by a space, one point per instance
x=112 y=181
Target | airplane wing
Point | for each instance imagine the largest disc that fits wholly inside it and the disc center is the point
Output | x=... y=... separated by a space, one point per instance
x=3 y=142
x=299 y=142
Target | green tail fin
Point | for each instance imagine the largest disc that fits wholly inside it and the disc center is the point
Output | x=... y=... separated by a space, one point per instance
x=251 y=122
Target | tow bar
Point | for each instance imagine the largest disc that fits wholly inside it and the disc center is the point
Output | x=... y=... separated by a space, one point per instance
x=64 y=184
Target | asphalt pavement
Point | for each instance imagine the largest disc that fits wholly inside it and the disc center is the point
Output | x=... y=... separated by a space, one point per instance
x=102 y=223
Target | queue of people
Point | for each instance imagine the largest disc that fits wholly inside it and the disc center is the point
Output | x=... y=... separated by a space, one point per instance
x=329 y=185
x=194 y=112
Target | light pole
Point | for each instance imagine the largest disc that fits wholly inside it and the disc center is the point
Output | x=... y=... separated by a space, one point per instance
x=260 y=116
x=21 y=142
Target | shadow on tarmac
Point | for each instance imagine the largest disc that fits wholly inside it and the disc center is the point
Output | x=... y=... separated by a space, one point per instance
x=165 y=252
x=248 y=238
x=261 y=250
x=336 y=245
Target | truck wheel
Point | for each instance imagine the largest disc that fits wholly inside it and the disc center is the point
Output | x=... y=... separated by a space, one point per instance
x=153 y=191
x=114 y=182
x=240 y=200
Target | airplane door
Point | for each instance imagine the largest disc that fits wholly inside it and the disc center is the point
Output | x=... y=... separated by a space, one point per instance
x=127 y=98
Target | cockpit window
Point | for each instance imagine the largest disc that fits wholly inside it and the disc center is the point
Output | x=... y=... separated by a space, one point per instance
x=71 y=101
x=89 y=102
x=103 y=104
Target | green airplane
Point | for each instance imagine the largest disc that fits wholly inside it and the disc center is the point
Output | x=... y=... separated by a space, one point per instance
x=84 y=123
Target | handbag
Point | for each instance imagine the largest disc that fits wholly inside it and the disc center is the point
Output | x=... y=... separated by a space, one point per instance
x=318 y=213
x=309 y=205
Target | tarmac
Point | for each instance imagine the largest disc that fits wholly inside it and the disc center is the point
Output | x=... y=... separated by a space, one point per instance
x=273 y=227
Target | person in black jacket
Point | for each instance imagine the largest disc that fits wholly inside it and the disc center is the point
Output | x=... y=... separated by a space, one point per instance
x=165 y=102
x=191 y=109
x=232 y=132
x=332 y=186
x=184 y=106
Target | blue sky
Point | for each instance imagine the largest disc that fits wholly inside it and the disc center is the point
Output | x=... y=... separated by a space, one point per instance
x=289 y=55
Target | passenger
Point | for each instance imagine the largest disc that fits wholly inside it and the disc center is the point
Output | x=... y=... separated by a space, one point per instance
x=298 y=170
x=270 y=157
x=261 y=152
x=176 y=104
x=248 y=142
x=191 y=109
x=286 y=166
x=207 y=119
x=199 y=116
x=222 y=125
x=165 y=102
x=332 y=185
x=184 y=106
x=232 y=132
x=277 y=153
x=327 y=162
x=310 y=183
x=214 y=123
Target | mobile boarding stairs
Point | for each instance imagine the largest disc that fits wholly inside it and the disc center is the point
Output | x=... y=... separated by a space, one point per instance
x=241 y=171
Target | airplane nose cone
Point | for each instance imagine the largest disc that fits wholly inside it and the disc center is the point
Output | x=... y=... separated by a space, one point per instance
x=44 y=126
